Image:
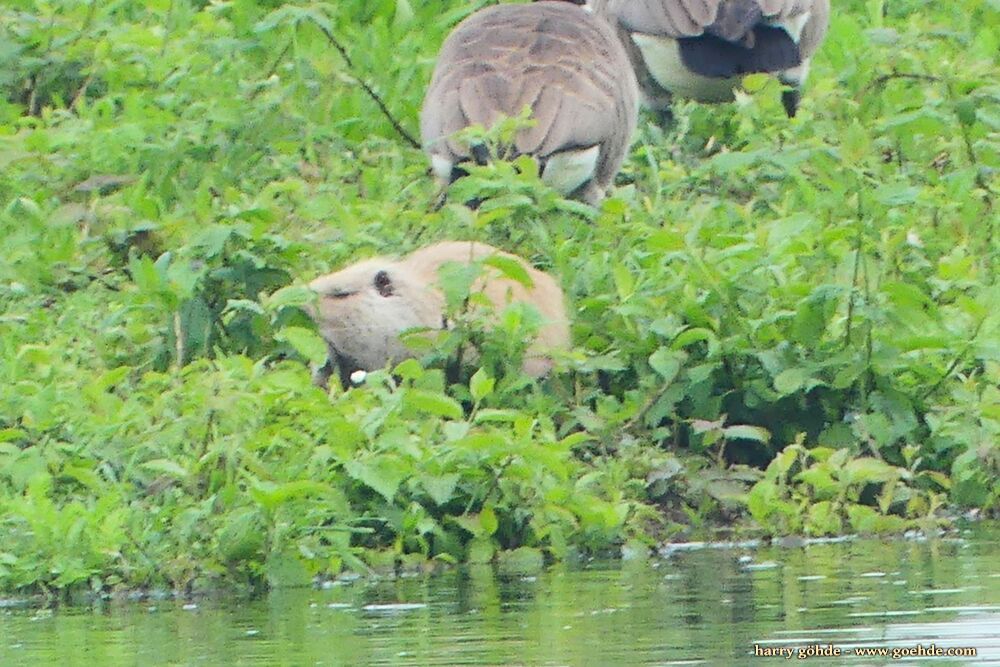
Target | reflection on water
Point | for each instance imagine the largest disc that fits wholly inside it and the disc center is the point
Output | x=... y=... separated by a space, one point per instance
x=708 y=606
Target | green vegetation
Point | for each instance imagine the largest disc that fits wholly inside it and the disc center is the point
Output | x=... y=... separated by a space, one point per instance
x=816 y=297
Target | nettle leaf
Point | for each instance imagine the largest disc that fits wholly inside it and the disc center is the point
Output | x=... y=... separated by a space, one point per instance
x=761 y=500
x=307 y=343
x=731 y=161
x=790 y=381
x=270 y=495
x=896 y=194
x=145 y=274
x=481 y=385
x=297 y=296
x=492 y=415
x=11 y=434
x=455 y=280
x=667 y=363
x=244 y=305
x=624 y=281
x=820 y=479
x=432 y=403
x=745 y=432
x=480 y=550
x=867 y=470
x=440 y=487
x=212 y=241
x=823 y=519
x=909 y=299
x=469 y=523
x=488 y=521
x=383 y=474
x=167 y=467
x=695 y=335
x=510 y=268
x=783 y=462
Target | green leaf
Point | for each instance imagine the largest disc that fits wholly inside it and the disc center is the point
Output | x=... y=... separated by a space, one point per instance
x=242 y=535
x=691 y=336
x=820 y=479
x=488 y=521
x=624 y=282
x=823 y=519
x=745 y=432
x=867 y=470
x=381 y=474
x=404 y=14
x=523 y=560
x=440 y=488
x=11 y=434
x=480 y=550
x=270 y=495
x=510 y=268
x=286 y=570
x=790 y=381
x=307 y=343
x=481 y=385
x=297 y=296
x=166 y=467
x=667 y=363
x=432 y=403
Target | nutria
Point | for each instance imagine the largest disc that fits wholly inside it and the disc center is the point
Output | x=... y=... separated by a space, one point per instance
x=364 y=307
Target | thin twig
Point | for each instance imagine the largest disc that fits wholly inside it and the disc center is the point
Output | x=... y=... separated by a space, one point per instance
x=166 y=28
x=493 y=484
x=886 y=78
x=81 y=92
x=368 y=89
x=33 y=97
x=639 y=416
x=955 y=362
x=857 y=268
x=869 y=376
x=273 y=68
x=179 y=338
x=970 y=152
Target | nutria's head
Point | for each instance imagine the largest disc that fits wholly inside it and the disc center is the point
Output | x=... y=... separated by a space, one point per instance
x=362 y=310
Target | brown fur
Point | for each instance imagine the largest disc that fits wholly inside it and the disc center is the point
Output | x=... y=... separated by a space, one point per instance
x=364 y=307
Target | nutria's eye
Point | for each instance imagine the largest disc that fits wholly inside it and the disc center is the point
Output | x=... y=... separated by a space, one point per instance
x=383 y=283
x=340 y=294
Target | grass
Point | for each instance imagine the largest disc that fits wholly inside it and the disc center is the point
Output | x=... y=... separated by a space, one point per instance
x=784 y=326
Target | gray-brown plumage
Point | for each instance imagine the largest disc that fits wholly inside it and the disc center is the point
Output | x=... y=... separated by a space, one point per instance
x=555 y=58
x=701 y=48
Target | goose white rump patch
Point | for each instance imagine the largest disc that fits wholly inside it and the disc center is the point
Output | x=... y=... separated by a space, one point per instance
x=566 y=171
x=442 y=166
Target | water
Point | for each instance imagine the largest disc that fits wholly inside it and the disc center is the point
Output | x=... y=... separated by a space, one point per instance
x=700 y=606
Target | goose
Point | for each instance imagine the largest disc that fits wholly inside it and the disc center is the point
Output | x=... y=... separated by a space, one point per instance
x=700 y=49
x=555 y=57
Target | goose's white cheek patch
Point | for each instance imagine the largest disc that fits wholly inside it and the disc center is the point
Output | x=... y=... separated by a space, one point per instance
x=795 y=25
x=663 y=60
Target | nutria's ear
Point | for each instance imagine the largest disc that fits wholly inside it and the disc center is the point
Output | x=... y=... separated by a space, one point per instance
x=383 y=283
